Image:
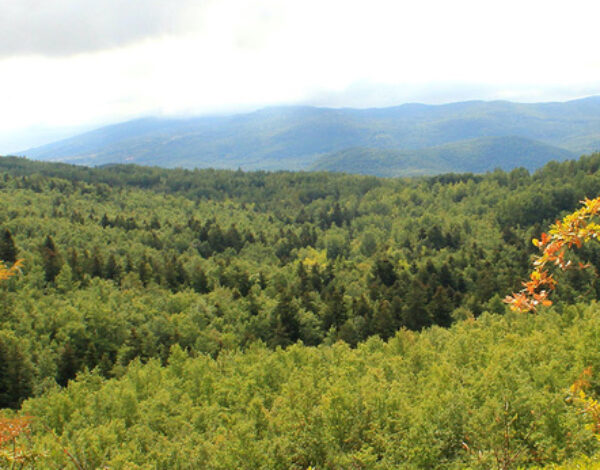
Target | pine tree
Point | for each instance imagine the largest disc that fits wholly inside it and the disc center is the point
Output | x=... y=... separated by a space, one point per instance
x=76 y=267
x=68 y=365
x=233 y=238
x=415 y=315
x=175 y=274
x=440 y=307
x=198 y=279
x=383 y=322
x=337 y=217
x=52 y=261
x=144 y=270
x=8 y=250
x=96 y=268
x=16 y=372
x=334 y=314
x=112 y=270
x=285 y=322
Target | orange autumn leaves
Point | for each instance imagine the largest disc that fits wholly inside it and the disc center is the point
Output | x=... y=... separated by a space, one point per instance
x=6 y=272
x=11 y=430
x=575 y=229
x=587 y=405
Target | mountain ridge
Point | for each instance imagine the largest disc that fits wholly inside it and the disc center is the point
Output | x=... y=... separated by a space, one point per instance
x=297 y=137
x=473 y=155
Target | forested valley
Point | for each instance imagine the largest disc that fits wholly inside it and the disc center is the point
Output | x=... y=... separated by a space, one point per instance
x=225 y=319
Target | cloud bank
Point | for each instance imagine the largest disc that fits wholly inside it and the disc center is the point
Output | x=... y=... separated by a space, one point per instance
x=80 y=62
x=66 y=27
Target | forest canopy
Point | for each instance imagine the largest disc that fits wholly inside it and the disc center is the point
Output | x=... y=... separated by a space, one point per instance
x=288 y=320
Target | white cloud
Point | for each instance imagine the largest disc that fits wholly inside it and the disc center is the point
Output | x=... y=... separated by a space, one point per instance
x=66 y=27
x=105 y=61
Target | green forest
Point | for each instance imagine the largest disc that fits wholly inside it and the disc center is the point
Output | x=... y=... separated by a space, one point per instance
x=175 y=319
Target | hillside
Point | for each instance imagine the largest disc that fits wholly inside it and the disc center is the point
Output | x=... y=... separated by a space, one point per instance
x=438 y=399
x=295 y=137
x=474 y=155
x=223 y=319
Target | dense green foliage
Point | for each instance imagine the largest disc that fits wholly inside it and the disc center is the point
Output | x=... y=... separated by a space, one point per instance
x=295 y=137
x=410 y=403
x=178 y=288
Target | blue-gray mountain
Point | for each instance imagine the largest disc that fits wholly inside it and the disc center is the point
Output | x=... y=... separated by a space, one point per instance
x=404 y=140
x=473 y=155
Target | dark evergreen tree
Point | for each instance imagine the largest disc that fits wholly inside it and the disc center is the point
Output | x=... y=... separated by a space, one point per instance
x=175 y=274
x=440 y=307
x=198 y=279
x=337 y=217
x=415 y=315
x=154 y=223
x=303 y=284
x=16 y=372
x=8 y=250
x=96 y=265
x=384 y=272
x=285 y=322
x=144 y=269
x=383 y=323
x=52 y=261
x=129 y=266
x=75 y=265
x=334 y=314
x=233 y=239
x=68 y=365
x=112 y=269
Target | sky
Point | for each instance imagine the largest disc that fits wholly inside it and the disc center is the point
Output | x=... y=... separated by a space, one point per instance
x=71 y=65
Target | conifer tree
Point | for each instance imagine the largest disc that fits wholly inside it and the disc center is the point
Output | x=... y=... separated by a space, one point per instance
x=52 y=261
x=198 y=279
x=96 y=264
x=112 y=270
x=16 y=372
x=68 y=365
x=74 y=263
x=285 y=322
x=64 y=280
x=8 y=250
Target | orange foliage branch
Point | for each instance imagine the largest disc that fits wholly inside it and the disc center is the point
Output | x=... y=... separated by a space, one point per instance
x=6 y=272
x=588 y=405
x=11 y=430
x=574 y=230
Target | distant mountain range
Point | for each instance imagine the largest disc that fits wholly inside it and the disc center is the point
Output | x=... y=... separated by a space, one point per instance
x=473 y=155
x=411 y=139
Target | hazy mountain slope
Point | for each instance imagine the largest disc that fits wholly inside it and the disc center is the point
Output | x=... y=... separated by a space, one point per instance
x=295 y=137
x=475 y=155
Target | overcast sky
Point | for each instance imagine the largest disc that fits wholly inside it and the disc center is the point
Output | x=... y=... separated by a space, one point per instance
x=69 y=65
